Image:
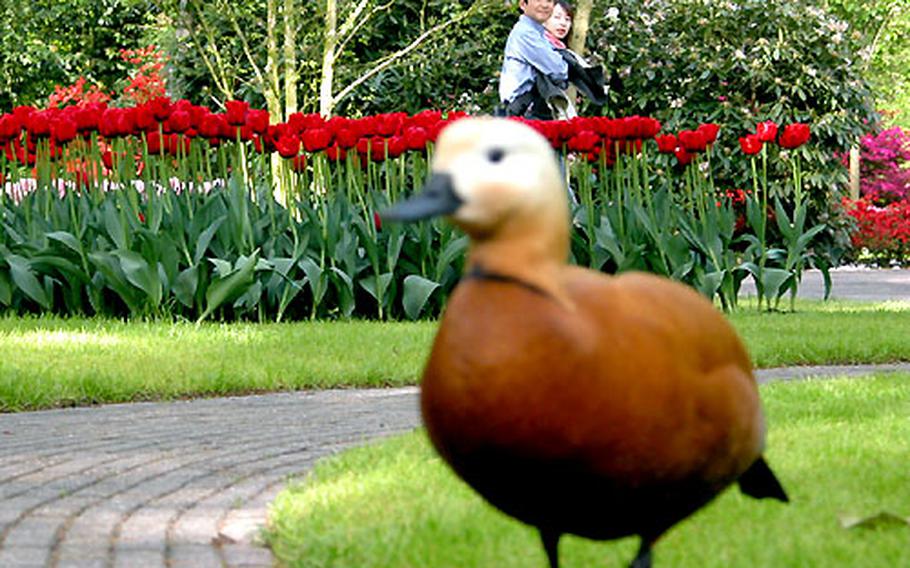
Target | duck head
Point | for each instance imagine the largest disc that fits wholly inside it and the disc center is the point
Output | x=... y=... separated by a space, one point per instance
x=494 y=178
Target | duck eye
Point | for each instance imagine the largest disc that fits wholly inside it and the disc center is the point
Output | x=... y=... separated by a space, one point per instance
x=495 y=154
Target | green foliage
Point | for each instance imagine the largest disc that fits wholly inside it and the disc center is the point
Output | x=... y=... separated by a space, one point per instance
x=202 y=43
x=456 y=69
x=46 y=42
x=737 y=64
x=882 y=27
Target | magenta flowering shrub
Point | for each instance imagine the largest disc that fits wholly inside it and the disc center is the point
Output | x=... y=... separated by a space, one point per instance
x=885 y=165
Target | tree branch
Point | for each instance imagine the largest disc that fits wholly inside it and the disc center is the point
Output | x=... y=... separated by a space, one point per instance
x=352 y=18
x=265 y=85
x=346 y=35
x=220 y=76
x=384 y=63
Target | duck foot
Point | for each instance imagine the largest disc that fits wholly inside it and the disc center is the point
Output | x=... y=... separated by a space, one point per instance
x=550 y=541
x=643 y=558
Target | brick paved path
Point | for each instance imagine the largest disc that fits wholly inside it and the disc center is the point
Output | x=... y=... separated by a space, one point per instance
x=180 y=484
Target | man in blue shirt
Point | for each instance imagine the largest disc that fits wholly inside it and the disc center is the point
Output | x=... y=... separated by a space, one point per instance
x=527 y=54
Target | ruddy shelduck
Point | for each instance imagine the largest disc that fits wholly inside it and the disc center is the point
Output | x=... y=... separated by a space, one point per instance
x=576 y=402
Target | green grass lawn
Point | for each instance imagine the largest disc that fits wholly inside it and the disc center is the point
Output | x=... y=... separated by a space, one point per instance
x=839 y=446
x=49 y=362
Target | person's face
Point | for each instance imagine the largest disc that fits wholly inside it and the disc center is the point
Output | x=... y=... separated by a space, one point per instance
x=559 y=22
x=537 y=10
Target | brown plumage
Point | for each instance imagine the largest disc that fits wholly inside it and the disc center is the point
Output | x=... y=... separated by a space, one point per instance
x=574 y=401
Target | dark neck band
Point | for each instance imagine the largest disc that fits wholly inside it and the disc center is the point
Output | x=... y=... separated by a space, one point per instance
x=478 y=272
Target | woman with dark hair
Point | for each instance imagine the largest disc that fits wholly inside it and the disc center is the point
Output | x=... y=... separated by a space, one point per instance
x=587 y=78
x=559 y=24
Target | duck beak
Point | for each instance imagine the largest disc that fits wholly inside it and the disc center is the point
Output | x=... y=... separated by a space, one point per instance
x=437 y=198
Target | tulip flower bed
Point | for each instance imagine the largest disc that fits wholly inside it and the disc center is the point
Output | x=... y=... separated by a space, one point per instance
x=168 y=209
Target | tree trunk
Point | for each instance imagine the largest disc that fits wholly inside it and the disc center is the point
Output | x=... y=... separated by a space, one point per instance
x=326 y=100
x=290 y=59
x=272 y=97
x=854 y=172
x=580 y=24
x=579 y=35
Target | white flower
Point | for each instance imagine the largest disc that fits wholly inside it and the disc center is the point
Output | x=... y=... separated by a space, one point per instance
x=612 y=14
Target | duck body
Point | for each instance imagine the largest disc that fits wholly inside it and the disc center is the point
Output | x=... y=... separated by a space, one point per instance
x=574 y=401
x=617 y=416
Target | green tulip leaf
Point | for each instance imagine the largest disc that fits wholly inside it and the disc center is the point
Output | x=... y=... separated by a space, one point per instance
x=417 y=291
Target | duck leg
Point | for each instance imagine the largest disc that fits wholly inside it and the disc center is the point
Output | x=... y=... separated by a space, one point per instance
x=550 y=541
x=643 y=558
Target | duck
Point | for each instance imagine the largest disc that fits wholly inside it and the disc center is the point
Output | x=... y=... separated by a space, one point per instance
x=602 y=406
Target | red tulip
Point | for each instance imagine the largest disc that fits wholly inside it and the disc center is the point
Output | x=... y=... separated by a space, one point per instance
x=683 y=157
x=316 y=139
x=367 y=126
x=767 y=131
x=258 y=120
x=667 y=143
x=125 y=123
x=107 y=122
x=144 y=117
x=87 y=117
x=38 y=124
x=378 y=148
x=21 y=114
x=390 y=124
x=298 y=163
x=584 y=141
x=153 y=142
x=174 y=143
x=288 y=146
x=63 y=129
x=347 y=137
x=647 y=127
x=397 y=146
x=692 y=140
x=246 y=132
x=211 y=125
x=709 y=131
x=107 y=158
x=9 y=127
x=425 y=119
x=236 y=112
x=179 y=121
x=335 y=154
x=751 y=144
x=160 y=107
x=415 y=137
x=433 y=131
x=794 y=135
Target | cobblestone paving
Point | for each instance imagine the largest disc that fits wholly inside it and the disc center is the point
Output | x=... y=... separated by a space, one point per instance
x=181 y=484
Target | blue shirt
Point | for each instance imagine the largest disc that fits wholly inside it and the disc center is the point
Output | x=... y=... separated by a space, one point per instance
x=528 y=50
